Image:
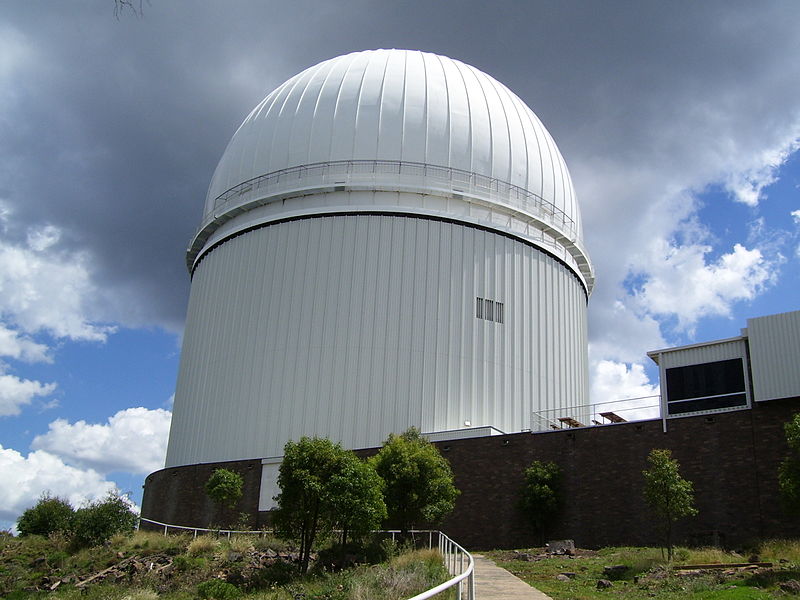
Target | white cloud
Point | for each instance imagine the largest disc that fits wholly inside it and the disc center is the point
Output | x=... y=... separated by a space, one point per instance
x=15 y=345
x=42 y=290
x=16 y=392
x=25 y=478
x=134 y=440
x=42 y=238
x=796 y=216
x=683 y=284
x=747 y=185
x=615 y=381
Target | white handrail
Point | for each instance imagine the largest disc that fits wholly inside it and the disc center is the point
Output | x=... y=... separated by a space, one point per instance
x=453 y=555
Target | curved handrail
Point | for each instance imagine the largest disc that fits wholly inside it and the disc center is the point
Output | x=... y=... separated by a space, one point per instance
x=452 y=553
x=551 y=220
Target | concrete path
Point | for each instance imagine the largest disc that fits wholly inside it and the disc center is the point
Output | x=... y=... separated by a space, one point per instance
x=494 y=583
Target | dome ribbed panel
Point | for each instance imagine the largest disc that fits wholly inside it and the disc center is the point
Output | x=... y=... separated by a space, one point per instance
x=398 y=105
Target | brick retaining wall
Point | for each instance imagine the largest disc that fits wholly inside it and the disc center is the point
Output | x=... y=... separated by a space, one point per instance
x=732 y=459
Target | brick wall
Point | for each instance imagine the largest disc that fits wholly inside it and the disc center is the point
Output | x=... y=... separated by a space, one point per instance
x=177 y=495
x=732 y=459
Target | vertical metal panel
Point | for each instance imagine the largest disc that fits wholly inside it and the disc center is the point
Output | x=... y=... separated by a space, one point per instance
x=353 y=327
x=774 y=347
x=704 y=353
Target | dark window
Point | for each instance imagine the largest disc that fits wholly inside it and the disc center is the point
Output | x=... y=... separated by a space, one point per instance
x=707 y=386
x=479 y=308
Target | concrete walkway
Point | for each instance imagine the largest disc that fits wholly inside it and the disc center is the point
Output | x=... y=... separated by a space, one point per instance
x=494 y=583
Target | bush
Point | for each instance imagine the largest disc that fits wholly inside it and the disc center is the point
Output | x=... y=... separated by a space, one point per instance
x=203 y=545
x=49 y=515
x=224 y=487
x=541 y=495
x=217 y=589
x=95 y=523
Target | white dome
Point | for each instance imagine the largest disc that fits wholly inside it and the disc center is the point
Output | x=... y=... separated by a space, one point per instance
x=399 y=120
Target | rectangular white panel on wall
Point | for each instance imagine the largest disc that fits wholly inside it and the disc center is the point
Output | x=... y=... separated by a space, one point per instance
x=774 y=351
x=269 y=483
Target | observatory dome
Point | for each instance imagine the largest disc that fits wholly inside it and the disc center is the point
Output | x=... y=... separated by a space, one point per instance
x=391 y=239
x=403 y=121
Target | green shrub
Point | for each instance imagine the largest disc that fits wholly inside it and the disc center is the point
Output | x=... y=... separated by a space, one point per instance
x=278 y=573
x=189 y=563
x=95 y=523
x=49 y=515
x=216 y=589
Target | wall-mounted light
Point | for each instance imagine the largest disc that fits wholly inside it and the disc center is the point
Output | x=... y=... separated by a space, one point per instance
x=467 y=423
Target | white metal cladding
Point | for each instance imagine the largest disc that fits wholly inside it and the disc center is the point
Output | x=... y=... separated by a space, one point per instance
x=352 y=327
x=700 y=353
x=774 y=355
x=403 y=121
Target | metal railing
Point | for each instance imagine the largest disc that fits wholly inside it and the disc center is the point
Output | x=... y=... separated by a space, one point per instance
x=630 y=409
x=224 y=532
x=343 y=171
x=550 y=224
x=459 y=563
x=457 y=560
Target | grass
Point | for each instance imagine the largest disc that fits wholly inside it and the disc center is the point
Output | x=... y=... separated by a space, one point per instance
x=181 y=568
x=649 y=576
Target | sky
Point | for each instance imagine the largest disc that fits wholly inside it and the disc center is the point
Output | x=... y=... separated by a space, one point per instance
x=680 y=123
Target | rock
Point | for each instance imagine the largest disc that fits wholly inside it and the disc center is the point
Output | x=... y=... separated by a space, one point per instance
x=562 y=577
x=569 y=574
x=790 y=586
x=561 y=547
x=603 y=584
x=522 y=556
x=234 y=556
x=120 y=555
x=615 y=571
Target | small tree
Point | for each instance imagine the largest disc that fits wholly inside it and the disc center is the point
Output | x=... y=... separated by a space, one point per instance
x=418 y=480
x=669 y=495
x=789 y=471
x=541 y=498
x=224 y=487
x=95 y=523
x=324 y=486
x=50 y=514
x=356 y=495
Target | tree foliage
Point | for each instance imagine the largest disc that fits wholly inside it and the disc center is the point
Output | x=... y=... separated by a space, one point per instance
x=669 y=495
x=356 y=492
x=49 y=515
x=91 y=525
x=97 y=521
x=224 y=487
x=541 y=498
x=323 y=486
x=418 y=480
x=789 y=471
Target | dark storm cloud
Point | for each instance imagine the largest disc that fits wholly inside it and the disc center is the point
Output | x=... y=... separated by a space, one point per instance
x=114 y=127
